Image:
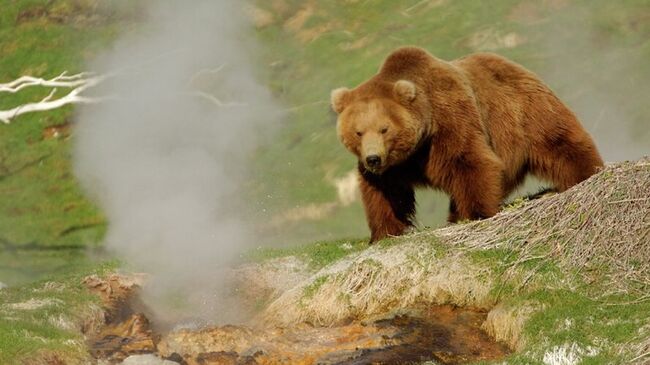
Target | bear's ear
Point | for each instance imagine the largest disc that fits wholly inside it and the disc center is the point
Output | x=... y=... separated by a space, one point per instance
x=338 y=99
x=404 y=91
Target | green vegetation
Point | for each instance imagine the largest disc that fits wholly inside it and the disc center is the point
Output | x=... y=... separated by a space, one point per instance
x=606 y=328
x=311 y=289
x=317 y=255
x=47 y=226
x=563 y=313
x=45 y=317
x=46 y=222
x=553 y=281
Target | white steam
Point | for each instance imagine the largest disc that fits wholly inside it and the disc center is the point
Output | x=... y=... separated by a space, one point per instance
x=166 y=156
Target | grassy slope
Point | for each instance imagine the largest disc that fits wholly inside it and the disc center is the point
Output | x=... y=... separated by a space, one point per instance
x=565 y=312
x=42 y=208
x=551 y=258
x=43 y=319
x=46 y=223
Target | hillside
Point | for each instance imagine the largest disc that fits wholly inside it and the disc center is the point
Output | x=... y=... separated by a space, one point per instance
x=576 y=265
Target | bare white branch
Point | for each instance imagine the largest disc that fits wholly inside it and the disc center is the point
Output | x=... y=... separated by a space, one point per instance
x=207 y=96
x=206 y=71
x=79 y=83
x=60 y=81
x=214 y=100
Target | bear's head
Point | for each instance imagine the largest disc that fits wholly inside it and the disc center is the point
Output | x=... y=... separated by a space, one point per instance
x=381 y=123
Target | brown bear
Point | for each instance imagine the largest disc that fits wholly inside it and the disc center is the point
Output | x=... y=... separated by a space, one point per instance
x=473 y=127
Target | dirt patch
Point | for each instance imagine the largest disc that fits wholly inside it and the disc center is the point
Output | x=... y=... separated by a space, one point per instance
x=298 y=20
x=444 y=334
x=116 y=341
x=261 y=18
x=347 y=192
x=491 y=39
x=121 y=330
x=59 y=131
x=77 y=13
x=298 y=24
x=357 y=44
x=309 y=212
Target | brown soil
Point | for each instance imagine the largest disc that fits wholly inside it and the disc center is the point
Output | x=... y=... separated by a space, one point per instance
x=445 y=334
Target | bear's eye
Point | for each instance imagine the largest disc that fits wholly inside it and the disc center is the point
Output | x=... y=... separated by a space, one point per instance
x=359 y=134
x=383 y=130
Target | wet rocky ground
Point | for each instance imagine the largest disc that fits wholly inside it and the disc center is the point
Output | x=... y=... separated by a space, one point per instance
x=442 y=334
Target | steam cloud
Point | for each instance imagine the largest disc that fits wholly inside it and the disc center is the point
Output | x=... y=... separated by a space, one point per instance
x=166 y=162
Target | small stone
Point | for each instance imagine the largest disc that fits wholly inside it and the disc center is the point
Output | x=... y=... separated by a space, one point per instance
x=3 y=285
x=148 y=359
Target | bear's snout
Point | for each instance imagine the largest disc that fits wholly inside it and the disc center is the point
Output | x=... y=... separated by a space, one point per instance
x=373 y=161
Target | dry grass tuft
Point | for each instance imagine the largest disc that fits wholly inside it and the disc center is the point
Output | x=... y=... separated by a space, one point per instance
x=602 y=224
x=505 y=324
x=378 y=281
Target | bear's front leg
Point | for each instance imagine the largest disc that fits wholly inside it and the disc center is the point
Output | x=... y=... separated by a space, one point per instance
x=476 y=187
x=389 y=206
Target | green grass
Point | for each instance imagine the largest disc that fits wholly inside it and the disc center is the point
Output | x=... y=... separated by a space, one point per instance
x=52 y=327
x=569 y=311
x=610 y=324
x=48 y=227
x=311 y=289
x=45 y=219
x=317 y=255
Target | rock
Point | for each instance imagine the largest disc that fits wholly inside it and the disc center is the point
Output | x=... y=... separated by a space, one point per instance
x=215 y=358
x=3 y=285
x=118 y=341
x=147 y=359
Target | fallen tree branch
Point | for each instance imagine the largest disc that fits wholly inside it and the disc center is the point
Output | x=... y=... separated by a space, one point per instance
x=79 y=83
x=60 y=81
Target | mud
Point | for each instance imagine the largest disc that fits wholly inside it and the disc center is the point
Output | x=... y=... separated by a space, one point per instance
x=443 y=334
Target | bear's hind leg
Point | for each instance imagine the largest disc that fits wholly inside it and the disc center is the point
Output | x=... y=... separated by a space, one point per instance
x=453 y=211
x=565 y=162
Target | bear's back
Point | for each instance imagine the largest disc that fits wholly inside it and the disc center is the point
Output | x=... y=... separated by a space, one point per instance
x=411 y=63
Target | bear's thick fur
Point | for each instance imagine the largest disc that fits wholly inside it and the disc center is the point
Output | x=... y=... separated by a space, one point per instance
x=473 y=127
